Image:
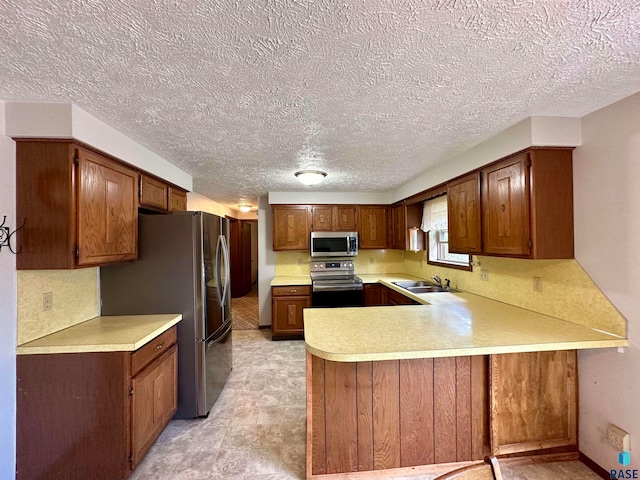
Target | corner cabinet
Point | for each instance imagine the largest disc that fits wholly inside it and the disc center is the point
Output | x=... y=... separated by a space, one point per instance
x=291 y=227
x=95 y=414
x=286 y=309
x=80 y=207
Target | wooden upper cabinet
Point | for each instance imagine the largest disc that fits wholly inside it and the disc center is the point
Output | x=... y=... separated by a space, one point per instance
x=322 y=218
x=107 y=210
x=398 y=227
x=527 y=205
x=153 y=193
x=463 y=207
x=291 y=227
x=402 y=217
x=345 y=218
x=505 y=204
x=80 y=207
x=373 y=226
x=334 y=218
x=177 y=200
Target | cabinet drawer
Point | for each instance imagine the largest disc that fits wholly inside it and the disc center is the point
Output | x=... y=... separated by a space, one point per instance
x=153 y=193
x=149 y=352
x=292 y=290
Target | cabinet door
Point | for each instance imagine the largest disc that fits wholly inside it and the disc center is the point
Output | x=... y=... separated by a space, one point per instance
x=153 y=193
x=463 y=207
x=322 y=218
x=505 y=211
x=373 y=226
x=154 y=401
x=375 y=295
x=177 y=200
x=533 y=401
x=287 y=314
x=396 y=298
x=399 y=228
x=107 y=210
x=291 y=227
x=345 y=218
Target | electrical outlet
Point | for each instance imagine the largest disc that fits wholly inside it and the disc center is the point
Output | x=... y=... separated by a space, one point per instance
x=484 y=275
x=537 y=284
x=47 y=301
x=617 y=437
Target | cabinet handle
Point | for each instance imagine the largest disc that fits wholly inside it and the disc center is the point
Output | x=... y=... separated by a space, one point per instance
x=293 y=290
x=158 y=347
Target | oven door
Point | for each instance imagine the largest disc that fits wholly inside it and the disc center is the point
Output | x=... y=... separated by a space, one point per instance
x=324 y=295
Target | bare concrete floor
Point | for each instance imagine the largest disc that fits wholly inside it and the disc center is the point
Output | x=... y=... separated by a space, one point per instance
x=256 y=429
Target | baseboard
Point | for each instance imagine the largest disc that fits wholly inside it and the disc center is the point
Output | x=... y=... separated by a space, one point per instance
x=260 y=327
x=597 y=469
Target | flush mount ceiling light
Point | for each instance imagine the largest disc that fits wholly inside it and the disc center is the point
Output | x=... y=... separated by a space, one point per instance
x=310 y=177
x=244 y=208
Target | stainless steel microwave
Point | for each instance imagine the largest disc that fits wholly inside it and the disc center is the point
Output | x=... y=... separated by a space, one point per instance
x=334 y=244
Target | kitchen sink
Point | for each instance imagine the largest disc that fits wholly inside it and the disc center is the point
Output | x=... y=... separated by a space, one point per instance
x=422 y=286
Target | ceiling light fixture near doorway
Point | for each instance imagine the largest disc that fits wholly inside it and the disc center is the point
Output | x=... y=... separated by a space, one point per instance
x=244 y=208
x=310 y=177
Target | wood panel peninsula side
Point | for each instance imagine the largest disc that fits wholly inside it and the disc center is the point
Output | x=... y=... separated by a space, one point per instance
x=419 y=389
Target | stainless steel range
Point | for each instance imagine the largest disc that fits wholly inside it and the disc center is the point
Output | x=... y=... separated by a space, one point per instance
x=334 y=284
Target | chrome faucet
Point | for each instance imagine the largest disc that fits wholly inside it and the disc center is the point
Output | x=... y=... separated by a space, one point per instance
x=447 y=283
x=438 y=280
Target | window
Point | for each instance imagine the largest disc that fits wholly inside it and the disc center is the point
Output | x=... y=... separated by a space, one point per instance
x=434 y=223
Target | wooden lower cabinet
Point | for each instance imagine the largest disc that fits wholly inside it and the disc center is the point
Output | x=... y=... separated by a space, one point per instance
x=534 y=401
x=429 y=413
x=396 y=298
x=93 y=415
x=154 y=401
x=286 y=309
x=374 y=295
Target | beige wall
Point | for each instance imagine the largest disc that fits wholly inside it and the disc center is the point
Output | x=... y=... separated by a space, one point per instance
x=606 y=171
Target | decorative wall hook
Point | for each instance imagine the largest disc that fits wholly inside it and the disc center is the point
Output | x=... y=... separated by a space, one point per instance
x=6 y=234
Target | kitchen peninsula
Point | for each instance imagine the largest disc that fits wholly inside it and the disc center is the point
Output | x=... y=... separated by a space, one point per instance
x=426 y=388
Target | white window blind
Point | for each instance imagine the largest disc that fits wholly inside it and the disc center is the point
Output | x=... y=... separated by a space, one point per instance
x=435 y=222
x=434 y=216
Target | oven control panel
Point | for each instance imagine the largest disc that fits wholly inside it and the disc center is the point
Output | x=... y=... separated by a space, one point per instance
x=332 y=266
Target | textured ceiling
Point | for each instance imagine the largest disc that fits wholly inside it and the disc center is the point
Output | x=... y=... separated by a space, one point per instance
x=242 y=93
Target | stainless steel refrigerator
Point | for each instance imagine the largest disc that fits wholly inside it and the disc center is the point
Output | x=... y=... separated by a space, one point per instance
x=182 y=267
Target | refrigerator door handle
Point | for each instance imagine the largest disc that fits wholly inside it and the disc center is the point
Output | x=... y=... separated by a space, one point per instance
x=227 y=268
x=219 y=287
x=211 y=343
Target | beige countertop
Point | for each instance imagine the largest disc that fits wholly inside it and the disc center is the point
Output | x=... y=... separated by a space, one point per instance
x=103 y=334
x=286 y=280
x=445 y=325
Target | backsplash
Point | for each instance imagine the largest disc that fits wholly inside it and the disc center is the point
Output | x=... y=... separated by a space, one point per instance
x=567 y=291
x=75 y=299
x=367 y=261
